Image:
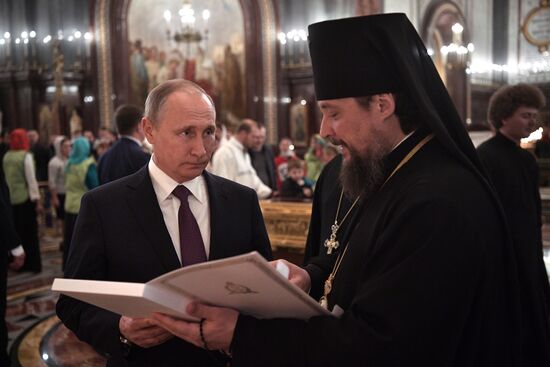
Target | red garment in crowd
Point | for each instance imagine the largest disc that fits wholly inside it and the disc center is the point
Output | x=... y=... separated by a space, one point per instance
x=19 y=140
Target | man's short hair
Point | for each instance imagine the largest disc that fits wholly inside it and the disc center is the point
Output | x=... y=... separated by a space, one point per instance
x=405 y=111
x=505 y=101
x=246 y=125
x=159 y=95
x=127 y=118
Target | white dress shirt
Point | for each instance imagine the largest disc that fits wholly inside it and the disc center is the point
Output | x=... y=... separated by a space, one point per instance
x=232 y=161
x=135 y=140
x=169 y=204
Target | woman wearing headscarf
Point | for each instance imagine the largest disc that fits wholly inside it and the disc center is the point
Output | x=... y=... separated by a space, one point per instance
x=314 y=158
x=80 y=176
x=56 y=176
x=18 y=166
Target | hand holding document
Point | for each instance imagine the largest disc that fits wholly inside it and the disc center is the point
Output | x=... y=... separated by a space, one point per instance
x=295 y=274
x=246 y=283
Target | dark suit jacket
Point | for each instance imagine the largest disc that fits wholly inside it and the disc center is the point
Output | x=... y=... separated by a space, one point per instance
x=266 y=154
x=120 y=235
x=122 y=159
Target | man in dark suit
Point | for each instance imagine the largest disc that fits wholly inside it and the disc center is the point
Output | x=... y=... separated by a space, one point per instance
x=131 y=230
x=126 y=156
x=261 y=157
x=10 y=247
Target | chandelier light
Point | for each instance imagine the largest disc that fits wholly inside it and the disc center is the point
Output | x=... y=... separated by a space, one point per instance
x=455 y=54
x=184 y=30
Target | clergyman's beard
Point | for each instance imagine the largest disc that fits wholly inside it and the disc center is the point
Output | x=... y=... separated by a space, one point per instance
x=363 y=175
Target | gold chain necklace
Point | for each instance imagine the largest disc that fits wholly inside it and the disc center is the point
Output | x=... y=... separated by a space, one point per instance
x=328 y=283
x=332 y=243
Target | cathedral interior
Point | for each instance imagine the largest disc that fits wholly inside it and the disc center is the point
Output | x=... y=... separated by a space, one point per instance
x=66 y=65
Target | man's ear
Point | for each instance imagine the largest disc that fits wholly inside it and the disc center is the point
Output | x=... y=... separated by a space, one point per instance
x=148 y=129
x=385 y=104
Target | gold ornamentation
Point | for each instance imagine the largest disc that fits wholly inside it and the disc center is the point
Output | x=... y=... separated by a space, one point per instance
x=287 y=223
x=535 y=27
x=328 y=283
x=332 y=243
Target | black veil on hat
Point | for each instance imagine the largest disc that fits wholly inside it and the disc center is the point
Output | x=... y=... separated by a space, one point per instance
x=361 y=56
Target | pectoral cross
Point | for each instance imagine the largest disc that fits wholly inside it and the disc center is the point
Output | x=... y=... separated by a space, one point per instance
x=332 y=243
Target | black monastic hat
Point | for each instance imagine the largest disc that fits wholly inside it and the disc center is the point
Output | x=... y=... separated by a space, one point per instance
x=383 y=53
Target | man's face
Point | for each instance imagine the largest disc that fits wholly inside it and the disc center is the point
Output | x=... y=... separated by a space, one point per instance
x=252 y=137
x=173 y=65
x=351 y=126
x=106 y=135
x=521 y=124
x=258 y=139
x=363 y=139
x=183 y=137
x=33 y=136
x=66 y=148
x=284 y=146
x=89 y=135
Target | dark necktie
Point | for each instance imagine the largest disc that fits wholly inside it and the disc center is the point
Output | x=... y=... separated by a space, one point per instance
x=191 y=245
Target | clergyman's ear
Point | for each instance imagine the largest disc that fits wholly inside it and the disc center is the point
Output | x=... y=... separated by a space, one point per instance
x=385 y=103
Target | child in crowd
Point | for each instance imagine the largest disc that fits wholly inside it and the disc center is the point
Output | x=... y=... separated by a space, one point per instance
x=295 y=186
x=286 y=153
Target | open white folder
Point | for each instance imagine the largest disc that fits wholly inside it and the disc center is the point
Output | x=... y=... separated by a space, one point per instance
x=246 y=283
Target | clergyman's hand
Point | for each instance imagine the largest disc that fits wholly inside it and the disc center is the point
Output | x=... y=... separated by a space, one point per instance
x=143 y=331
x=296 y=275
x=218 y=325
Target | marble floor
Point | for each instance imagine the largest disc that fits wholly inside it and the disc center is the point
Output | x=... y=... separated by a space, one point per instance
x=36 y=338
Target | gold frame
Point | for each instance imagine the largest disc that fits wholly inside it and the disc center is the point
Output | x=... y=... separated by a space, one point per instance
x=542 y=45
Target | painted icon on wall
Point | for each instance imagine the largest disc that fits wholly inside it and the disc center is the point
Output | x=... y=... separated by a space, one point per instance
x=201 y=41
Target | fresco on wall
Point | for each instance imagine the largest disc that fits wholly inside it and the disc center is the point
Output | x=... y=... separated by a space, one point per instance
x=209 y=51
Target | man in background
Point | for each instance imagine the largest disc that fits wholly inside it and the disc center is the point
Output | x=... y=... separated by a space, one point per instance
x=41 y=154
x=515 y=175
x=261 y=157
x=232 y=160
x=169 y=214
x=127 y=155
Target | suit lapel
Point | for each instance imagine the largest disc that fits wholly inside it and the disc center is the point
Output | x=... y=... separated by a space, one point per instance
x=217 y=195
x=144 y=204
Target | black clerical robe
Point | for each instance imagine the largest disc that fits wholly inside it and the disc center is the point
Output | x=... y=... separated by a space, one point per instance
x=326 y=200
x=515 y=173
x=425 y=281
